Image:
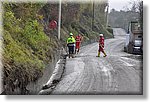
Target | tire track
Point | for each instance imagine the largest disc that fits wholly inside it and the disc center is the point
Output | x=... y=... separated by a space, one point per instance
x=111 y=75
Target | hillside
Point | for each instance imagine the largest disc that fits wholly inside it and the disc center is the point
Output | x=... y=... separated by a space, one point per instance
x=122 y=18
x=29 y=44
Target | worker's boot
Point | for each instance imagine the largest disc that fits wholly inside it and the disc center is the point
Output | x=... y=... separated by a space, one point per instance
x=72 y=55
x=77 y=51
x=98 y=54
x=104 y=54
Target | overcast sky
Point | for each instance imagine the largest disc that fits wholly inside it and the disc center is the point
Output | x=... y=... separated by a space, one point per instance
x=119 y=4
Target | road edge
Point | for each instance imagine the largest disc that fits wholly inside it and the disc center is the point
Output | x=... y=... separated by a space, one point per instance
x=55 y=77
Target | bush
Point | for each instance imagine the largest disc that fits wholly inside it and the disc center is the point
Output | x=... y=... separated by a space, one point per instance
x=110 y=30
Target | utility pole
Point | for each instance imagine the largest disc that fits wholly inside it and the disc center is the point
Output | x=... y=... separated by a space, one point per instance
x=107 y=13
x=59 y=20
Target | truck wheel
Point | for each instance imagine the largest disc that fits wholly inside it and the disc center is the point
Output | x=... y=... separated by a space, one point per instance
x=130 y=48
x=125 y=49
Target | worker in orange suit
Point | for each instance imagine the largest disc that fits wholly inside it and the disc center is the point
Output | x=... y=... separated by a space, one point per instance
x=78 y=42
x=101 y=46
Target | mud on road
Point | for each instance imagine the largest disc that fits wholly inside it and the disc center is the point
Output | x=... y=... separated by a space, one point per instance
x=118 y=73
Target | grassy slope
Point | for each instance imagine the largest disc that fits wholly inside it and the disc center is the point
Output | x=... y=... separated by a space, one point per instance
x=27 y=48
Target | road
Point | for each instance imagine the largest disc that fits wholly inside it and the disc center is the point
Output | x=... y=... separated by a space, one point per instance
x=118 y=73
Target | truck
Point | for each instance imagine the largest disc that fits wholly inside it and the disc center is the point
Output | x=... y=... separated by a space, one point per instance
x=134 y=38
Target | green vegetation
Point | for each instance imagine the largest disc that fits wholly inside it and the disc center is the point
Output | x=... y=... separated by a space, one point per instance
x=29 y=44
x=27 y=49
x=78 y=18
x=110 y=30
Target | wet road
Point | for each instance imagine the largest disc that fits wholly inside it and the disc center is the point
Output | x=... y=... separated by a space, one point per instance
x=118 y=73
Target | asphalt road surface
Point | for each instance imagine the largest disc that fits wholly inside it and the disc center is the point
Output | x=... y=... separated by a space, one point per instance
x=118 y=73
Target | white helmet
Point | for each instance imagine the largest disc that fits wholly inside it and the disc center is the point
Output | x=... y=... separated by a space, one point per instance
x=101 y=35
x=71 y=34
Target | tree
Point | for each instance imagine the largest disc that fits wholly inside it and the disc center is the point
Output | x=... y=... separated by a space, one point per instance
x=140 y=8
x=123 y=17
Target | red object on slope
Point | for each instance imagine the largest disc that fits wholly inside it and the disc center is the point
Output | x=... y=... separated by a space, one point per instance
x=53 y=24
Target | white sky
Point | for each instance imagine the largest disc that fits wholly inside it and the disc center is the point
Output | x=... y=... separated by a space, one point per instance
x=119 y=4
